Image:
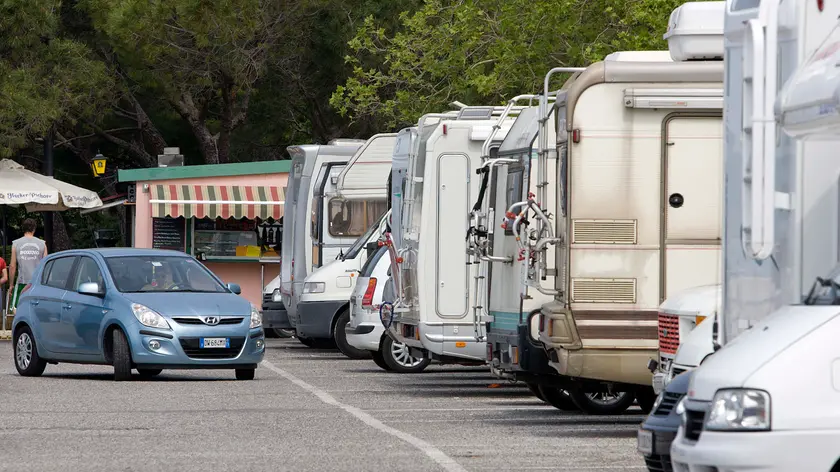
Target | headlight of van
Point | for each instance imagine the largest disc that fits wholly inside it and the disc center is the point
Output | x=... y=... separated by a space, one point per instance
x=256 y=317
x=739 y=409
x=314 y=287
x=276 y=296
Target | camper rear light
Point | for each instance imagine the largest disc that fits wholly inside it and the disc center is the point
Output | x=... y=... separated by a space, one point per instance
x=820 y=5
x=514 y=355
x=542 y=322
x=489 y=352
x=550 y=328
x=367 y=299
x=575 y=136
x=698 y=319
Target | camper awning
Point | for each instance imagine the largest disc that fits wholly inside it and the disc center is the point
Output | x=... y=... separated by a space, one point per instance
x=217 y=201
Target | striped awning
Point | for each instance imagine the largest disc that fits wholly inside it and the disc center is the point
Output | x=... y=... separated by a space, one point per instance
x=217 y=201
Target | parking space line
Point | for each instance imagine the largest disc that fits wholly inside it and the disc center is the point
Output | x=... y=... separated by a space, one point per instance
x=431 y=451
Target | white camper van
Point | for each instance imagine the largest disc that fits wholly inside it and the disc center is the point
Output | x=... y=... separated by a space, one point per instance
x=638 y=218
x=436 y=282
x=351 y=204
x=313 y=167
x=767 y=399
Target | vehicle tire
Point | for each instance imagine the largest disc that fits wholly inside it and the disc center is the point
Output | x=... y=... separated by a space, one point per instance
x=399 y=358
x=602 y=403
x=245 y=374
x=121 y=357
x=269 y=333
x=535 y=389
x=558 y=398
x=379 y=360
x=645 y=396
x=281 y=333
x=341 y=338
x=27 y=361
x=149 y=373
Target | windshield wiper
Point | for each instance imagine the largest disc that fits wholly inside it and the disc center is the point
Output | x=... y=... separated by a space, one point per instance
x=811 y=299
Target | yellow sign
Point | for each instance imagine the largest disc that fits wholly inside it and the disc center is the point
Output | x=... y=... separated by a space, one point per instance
x=98 y=166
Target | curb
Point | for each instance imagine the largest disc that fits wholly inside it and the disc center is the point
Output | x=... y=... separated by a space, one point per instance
x=5 y=335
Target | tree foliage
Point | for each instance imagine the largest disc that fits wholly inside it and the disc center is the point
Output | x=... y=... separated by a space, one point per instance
x=484 y=51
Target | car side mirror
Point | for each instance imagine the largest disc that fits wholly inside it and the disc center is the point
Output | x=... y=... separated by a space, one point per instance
x=234 y=288
x=92 y=289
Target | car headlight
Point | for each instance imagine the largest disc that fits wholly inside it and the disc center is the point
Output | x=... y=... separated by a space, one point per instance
x=314 y=287
x=739 y=409
x=276 y=296
x=148 y=317
x=256 y=317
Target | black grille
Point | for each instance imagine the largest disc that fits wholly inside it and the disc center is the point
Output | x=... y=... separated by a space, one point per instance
x=659 y=463
x=267 y=298
x=197 y=321
x=192 y=349
x=693 y=424
x=669 y=401
x=678 y=371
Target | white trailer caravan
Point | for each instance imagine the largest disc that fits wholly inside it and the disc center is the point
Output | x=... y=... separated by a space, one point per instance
x=767 y=399
x=350 y=204
x=436 y=282
x=638 y=214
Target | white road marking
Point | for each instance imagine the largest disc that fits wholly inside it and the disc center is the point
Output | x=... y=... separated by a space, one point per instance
x=431 y=451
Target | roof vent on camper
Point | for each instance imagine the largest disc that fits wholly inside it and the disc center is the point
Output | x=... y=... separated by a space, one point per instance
x=695 y=31
x=346 y=142
x=171 y=157
x=639 y=56
x=475 y=113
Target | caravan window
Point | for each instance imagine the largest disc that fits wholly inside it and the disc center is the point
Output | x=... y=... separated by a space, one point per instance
x=513 y=190
x=350 y=218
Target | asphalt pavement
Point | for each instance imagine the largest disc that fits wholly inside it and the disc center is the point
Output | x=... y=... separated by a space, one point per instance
x=307 y=410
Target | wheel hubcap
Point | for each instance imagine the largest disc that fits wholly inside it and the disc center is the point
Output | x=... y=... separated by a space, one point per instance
x=402 y=355
x=606 y=398
x=24 y=351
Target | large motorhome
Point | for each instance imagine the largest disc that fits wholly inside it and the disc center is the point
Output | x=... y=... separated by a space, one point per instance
x=313 y=167
x=766 y=399
x=346 y=204
x=638 y=216
x=436 y=284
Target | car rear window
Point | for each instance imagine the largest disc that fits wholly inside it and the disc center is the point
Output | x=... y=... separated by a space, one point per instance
x=370 y=264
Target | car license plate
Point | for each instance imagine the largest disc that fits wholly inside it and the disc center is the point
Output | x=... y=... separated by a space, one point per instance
x=215 y=342
x=658 y=382
x=645 y=441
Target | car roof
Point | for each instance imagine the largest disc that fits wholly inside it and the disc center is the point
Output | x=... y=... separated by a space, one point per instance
x=121 y=252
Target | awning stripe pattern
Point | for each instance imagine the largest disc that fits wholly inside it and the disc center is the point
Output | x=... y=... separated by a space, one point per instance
x=217 y=201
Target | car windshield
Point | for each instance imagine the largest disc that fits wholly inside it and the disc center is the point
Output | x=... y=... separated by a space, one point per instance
x=357 y=246
x=149 y=273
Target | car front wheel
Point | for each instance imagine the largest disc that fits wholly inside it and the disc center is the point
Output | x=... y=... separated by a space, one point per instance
x=121 y=357
x=27 y=361
x=341 y=338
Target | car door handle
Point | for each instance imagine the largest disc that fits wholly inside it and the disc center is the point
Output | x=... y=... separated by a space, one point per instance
x=35 y=302
x=67 y=306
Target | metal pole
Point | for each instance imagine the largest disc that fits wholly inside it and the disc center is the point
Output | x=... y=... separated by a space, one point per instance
x=3 y=307
x=48 y=171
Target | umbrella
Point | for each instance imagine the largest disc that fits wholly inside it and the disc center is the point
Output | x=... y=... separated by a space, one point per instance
x=19 y=186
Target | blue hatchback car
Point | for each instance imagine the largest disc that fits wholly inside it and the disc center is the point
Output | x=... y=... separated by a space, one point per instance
x=143 y=309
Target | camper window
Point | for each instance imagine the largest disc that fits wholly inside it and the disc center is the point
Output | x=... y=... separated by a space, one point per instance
x=351 y=218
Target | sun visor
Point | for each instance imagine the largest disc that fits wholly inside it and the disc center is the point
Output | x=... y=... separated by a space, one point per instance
x=807 y=106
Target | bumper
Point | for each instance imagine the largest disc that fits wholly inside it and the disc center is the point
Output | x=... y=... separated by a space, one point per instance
x=366 y=336
x=654 y=440
x=314 y=319
x=774 y=451
x=275 y=316
x=180 y=348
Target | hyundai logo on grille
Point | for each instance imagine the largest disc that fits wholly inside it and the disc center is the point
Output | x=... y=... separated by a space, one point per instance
x=211 y=320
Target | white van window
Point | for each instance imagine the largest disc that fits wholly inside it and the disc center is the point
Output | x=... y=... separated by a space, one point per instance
x=351 y=218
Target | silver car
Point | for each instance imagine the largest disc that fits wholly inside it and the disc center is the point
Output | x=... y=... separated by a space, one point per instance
x=365 y=330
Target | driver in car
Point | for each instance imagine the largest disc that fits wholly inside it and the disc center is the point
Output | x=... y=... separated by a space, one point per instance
x=161 y=280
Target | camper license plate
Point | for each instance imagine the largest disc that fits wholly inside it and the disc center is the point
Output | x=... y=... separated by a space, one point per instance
x=215 y=342
x=645 y=441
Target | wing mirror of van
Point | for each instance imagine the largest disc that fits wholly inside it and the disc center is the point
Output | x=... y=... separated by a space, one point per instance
x=371 y=248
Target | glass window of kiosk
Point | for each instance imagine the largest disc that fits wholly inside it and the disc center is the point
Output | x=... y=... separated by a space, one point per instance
x=237 y=239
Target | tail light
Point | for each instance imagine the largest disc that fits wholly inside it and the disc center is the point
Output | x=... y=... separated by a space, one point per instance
x=367 y=300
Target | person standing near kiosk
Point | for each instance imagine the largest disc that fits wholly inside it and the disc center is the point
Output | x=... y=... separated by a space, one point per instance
x=27 y=253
